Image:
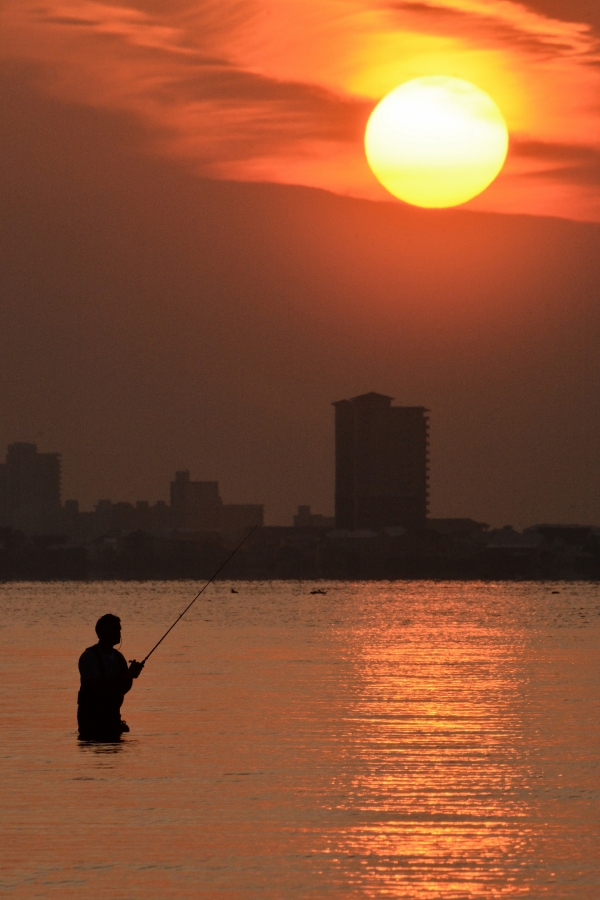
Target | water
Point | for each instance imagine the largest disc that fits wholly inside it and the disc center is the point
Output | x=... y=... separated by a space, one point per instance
x=410 y=740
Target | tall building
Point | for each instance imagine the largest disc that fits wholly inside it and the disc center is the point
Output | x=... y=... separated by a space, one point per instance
x=381 y=463
x=30 y=487
x=195 y=505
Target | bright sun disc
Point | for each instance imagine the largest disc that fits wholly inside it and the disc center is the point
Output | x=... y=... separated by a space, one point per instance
x=436 y=141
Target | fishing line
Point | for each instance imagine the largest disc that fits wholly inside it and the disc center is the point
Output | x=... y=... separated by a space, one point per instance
x=201 y=591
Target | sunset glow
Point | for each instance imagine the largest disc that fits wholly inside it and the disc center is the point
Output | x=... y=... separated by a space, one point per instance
x=281 y=90
x=436 y=141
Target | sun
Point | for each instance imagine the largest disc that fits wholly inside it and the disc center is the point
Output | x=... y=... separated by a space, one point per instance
x=436 y=141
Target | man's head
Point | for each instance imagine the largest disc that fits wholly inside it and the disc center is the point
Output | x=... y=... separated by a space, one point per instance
x=108 y=629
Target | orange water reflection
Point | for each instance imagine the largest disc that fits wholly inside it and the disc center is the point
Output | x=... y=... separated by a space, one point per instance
x=440 y=796
x=416 y=740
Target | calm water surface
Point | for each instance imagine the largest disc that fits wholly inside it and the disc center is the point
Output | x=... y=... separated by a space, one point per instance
x=410 y=740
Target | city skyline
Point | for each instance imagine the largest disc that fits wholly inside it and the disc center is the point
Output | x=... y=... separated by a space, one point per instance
x=31 y=502
x=381 y=479
x=381 y=528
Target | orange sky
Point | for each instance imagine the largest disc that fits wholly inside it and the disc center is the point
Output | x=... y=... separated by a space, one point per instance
x=280 y=90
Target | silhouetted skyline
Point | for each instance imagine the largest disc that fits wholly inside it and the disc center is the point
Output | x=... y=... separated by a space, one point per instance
x=30 y=502
x=381 y=528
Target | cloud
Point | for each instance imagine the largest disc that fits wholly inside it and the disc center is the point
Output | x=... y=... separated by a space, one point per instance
x=511 y=24
x=281 y=89
x=181 y=76
x=586 y=11
x=565 y=163
x=555 y=153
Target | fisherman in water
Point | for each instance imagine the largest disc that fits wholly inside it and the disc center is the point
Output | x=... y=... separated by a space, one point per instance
x=105 y=679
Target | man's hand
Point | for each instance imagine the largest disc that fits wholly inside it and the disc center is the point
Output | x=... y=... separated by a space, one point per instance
x=135 y=668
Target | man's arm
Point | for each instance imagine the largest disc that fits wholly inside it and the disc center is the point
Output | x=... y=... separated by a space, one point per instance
x=129 y=672
x=135 y=668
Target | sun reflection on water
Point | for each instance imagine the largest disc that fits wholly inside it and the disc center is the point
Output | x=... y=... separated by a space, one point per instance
x=440 y=802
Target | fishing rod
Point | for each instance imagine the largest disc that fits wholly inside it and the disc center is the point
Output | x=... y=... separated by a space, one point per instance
x=201 y=591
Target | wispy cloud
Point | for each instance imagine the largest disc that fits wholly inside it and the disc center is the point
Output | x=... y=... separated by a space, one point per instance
x=281 y=89
x=503 y=19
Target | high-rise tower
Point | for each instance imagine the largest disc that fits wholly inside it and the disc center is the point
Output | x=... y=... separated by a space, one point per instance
x=381 y=463
x=195 y=504
x=29 y=488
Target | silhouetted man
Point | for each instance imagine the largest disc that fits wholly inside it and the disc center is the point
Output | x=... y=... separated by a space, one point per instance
x=105 y=679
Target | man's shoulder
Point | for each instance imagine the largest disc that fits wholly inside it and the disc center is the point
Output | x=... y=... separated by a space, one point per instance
x=89 y=666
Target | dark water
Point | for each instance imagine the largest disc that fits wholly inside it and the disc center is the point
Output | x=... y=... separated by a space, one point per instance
x=410 y=740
